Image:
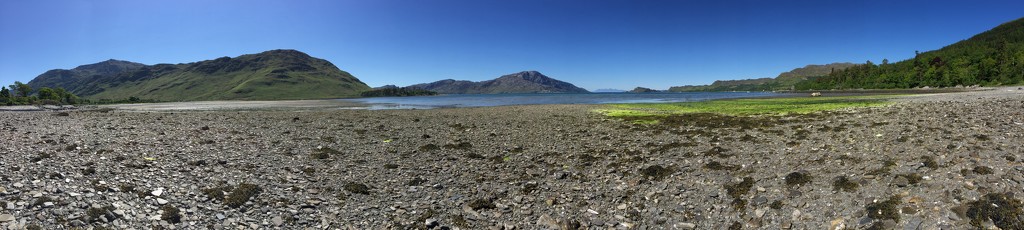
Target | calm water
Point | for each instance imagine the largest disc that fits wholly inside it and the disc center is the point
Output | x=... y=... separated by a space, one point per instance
x=481 y=100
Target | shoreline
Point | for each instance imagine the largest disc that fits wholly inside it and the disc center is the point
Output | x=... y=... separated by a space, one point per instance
x=533 y=166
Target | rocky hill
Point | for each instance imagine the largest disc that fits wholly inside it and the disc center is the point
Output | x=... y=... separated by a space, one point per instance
x=270 y=75
x=784 y=81
x=522 y=82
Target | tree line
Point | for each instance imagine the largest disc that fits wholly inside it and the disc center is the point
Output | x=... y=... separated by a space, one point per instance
x=22 y=94
x=992 y=58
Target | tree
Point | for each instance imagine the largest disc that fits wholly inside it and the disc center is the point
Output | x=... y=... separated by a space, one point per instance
x=22 y=89
x=47 y=93
x=5 y=93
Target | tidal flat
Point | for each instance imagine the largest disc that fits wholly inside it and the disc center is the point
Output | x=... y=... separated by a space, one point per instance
x=950 y=161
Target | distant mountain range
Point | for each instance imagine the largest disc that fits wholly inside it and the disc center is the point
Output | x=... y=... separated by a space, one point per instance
x=643 y=90
x=521 y=82
x=609 y=91
x=270 y=75
x=785 y=81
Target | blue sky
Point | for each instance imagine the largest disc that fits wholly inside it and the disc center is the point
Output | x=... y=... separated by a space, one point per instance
x=593 y=44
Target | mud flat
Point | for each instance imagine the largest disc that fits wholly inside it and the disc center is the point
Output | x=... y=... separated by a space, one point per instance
x=950 y=161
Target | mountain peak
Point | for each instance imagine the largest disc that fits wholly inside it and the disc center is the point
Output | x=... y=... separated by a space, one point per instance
x=269 y=75
x=520 y=82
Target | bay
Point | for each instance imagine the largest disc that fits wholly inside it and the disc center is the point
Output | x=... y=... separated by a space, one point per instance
x=484 y=100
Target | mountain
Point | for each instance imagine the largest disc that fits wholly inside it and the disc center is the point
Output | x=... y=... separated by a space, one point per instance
x=785 y=81
x=993 y=57
x=643 y=90
x=521 y=82
x=270 y=75
x=609 y=91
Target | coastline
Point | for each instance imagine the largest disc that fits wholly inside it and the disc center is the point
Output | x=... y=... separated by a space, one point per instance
x=533 y=166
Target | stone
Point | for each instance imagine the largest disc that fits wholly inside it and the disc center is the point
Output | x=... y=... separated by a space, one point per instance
x=47 y=204
x=591 y=211
x=161 y=201
x=18 y=185
x=760 y=211
x=220 y=216
x=837 y=224
x=686 y=226
x=901 y=181
x=277 y=221
x=621 y=207
x=786 y=224
x=6 y=218
x=158 y=192
x=548 y=222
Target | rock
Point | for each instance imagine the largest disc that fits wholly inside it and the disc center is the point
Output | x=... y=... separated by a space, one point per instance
x=6 y=218
x=430 y=223
x=760 y=211
x=837 y=224
x=547 y=222
x=686 y=226
x=621 y=207
x=277 y=221
x=220 y=216
x=3 y=190
x=901 y=181
x=47 y=204
x=158 y=192
x=591 y=211
x=161 y=201
x=18 y=185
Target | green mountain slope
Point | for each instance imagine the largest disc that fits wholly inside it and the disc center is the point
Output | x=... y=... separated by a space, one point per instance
x=994 y=57
x=785 y=81
x=270 y=75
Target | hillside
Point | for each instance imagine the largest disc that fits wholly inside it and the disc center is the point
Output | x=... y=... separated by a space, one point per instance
x=270 y=75
x=522 y=82
x=993 y=57
x=785 y=80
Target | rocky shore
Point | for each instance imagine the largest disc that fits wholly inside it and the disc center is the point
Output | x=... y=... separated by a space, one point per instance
x=946 y=161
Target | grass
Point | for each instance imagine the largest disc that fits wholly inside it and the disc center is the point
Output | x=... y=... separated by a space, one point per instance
x=745 y=107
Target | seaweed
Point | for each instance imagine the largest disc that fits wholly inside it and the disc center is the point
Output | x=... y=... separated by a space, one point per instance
x=241 y=194
x=429 y=147
x=170 y=214
x=656 y=172
x=798 y=178
x=481 y=204
x=982 y=170
x=1002 y=209
x=844 y=184
x=887 y=209
x=357 y=188
x=736 y=191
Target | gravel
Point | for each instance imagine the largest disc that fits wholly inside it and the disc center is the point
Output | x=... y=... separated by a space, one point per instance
x=522 y=167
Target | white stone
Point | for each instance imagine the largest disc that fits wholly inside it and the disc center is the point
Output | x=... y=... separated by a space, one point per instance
x=47 y=204
x=6 y=218
x=18 y=185
x=74 y=194
x=760 y=212
x=621 y=206
x=686 y=226
x=591 y=211
x=158 y=192
x=161 y=201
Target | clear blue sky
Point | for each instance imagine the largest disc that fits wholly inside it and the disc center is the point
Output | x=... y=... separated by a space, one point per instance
x=593 y=44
